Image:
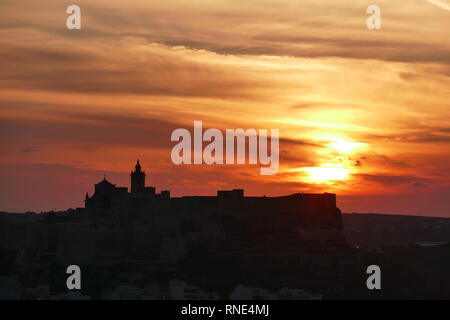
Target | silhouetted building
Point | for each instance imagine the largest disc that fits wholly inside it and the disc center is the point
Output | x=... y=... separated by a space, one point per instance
x=111 y=200
x=138 y=181
x=301 y=209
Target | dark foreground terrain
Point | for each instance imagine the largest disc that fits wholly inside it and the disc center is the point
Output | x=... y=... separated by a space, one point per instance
x=250 y=262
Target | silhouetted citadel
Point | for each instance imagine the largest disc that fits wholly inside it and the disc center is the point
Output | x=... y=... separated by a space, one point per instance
x=145 y=244
x=297 y=210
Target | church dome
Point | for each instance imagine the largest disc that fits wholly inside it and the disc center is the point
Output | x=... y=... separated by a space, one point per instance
x=105 y=182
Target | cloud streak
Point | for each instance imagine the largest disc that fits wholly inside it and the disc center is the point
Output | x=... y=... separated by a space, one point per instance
x=444 y=4
x=94 y=100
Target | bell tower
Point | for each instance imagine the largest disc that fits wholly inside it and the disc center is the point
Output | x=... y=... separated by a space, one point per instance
x=137 y=179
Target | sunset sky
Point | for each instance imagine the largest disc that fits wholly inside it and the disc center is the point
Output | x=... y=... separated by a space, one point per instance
x=363 y=114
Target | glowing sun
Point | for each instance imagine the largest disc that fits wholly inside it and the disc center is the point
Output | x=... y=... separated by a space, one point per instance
x=326 y=173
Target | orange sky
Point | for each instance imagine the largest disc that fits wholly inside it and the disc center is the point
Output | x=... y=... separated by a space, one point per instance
x=364 y=114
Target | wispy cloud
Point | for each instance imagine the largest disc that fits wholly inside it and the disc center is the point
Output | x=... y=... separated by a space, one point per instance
x=444 y=4
x=102 y=96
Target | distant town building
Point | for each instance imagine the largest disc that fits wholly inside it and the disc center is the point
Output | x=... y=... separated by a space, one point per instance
x=241 y=292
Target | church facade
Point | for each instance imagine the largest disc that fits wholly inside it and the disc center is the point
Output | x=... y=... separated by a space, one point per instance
x=108 y=198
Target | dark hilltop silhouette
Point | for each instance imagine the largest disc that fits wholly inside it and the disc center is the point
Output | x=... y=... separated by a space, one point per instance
x=142 y=203
x=144 y=244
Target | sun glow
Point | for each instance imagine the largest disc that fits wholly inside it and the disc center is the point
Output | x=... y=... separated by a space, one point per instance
x=345 y=146
x=326 y=173
x=332 y=167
